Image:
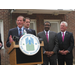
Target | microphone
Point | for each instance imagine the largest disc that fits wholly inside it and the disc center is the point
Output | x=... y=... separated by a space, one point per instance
x=40 y=39
x=16 y=39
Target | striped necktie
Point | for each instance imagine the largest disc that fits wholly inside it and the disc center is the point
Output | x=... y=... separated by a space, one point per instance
x=20 y=32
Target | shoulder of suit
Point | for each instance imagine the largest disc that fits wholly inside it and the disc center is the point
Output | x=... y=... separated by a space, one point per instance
x=13 y=29
x=32 y=29
x=41 y=32
x=69 y=32
x=59 y=33
x=53 y=32
x=66 y=32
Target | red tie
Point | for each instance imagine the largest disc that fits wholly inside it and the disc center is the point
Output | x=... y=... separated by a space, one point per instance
x=20 y=32
x=47 y=36
x=63 y=37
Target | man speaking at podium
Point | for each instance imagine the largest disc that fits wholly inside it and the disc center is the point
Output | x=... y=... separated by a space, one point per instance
x=18 y=31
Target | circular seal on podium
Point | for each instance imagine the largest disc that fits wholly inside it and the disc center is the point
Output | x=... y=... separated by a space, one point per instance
x=29 y=44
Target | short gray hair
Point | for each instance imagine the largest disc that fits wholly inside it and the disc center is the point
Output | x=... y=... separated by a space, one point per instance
x=64 y=23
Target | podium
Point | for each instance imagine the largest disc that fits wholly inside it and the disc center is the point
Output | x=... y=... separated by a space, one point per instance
x=16 y=57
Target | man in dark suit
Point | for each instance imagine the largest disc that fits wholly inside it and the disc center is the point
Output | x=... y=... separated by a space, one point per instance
x=0 y=47
x=65 y=44
x=27 y=24
x=18 y=31
x=50 y=45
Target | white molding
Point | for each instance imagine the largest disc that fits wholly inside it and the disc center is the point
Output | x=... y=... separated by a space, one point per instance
x=34 y=24
x=2 y=32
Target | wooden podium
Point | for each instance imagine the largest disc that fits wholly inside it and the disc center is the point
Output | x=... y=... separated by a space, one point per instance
x=16 y=57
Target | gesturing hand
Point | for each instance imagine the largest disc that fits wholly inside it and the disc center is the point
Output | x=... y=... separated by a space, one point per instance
x=0 y=44
x=10 y=39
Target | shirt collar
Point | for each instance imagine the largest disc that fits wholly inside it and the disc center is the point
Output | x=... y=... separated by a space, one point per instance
x=62 y=32
x=48 y=31
x=21 y=28
x=28 y=28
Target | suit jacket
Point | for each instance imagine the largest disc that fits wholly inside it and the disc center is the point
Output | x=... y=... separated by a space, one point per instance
x=53 y=43
x=0 y=41
x=68 y=43
x=31 y=31
x=14 y=32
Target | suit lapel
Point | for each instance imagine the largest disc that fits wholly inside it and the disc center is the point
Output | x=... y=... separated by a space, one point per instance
x=44 y=36
x=49 y=36
x=60 y=36
x=16 y=32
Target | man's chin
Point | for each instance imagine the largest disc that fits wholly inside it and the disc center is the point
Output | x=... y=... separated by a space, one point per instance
x=20 y=26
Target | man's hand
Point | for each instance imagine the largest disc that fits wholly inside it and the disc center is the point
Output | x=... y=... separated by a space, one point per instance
x=0 y=44
x=49 y=53
x=61 y=52
x=66 y=52
x=10 y=39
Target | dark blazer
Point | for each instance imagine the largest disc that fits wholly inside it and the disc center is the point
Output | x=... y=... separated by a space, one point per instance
x=52 y=45
x=0 y=40
x=31 y=31
x=68 y=43
x=14 y=32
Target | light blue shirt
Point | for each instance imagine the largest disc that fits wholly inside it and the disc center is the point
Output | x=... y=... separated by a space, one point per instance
x=22 y=29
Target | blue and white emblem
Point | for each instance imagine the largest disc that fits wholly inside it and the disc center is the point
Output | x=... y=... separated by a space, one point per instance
x=29 y=44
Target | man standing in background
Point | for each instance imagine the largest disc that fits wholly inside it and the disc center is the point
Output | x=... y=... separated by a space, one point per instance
x=50 y=45
x=27 y=24
x=65 y=44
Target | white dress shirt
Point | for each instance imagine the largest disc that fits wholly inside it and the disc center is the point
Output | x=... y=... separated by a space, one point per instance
x=64 y=33
x=19 y=30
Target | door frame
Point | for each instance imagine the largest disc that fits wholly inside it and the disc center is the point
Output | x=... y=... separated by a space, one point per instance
x=34 y=23
x=2 y=32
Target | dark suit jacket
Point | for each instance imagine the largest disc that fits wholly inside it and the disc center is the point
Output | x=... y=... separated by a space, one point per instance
x=68 y=44
x=52 y=45
x=31 y=31
x=14 y=32
x=0 y=40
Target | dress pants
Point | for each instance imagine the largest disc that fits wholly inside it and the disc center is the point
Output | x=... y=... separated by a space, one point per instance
x=63 y=60
x=49 y=60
